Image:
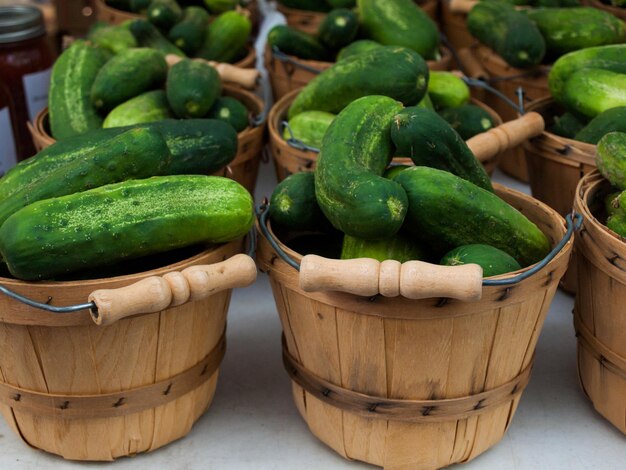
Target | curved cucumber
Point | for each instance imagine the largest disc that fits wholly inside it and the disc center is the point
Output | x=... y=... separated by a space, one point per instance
x=148 y=107
x=611 y=158
x=593 y=91
x=492 y=260
x=611 y=120
x=188 y=34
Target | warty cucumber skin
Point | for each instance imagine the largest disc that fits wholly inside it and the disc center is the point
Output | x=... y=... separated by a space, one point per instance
x=397 y=72
x=447 y=210
x=123 y=221
x=429 y=140
x=349 y=185
x=137 y=153
x=150 y=106
x=401 y=247
x=593 y=91
x=69 y=103
x=128 y=74
x=198 y=146
x=188 y=34
x=611 y=120
x=192 y=88
x=226 y=37
x=114 y=39
x=611 y=158
x=491 y=259
x=357 y=47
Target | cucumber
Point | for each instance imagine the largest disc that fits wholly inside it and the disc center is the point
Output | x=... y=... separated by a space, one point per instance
x=567 y=125
x=602 y=57
x=399 y=23
x=570 y=29
x=226 y=37
x=397 y=72
x=309 y=127
x=611 y=158
x=446 y=90
x=468 y=120
x=349 y=185
x=357 y=47
x=116 y=222
x=293 y=205
x=493 y=261
x=148 y=107
x=128 y=74
x=232 y=111
x=592 y=91
x=429 y=140
x=426 y=103
x=611 y=120
x=401 y=247
x=69 y=101
x=290 y=41
x=192 y=88
x=164 y=14
x=114 y=39
x=310 y=5
x=450 y=211
x=147 y=35
x=188 y=34
x=220 y=6
x=393 y=170
x=338 y=29
x=508 y=32
x=137 y=153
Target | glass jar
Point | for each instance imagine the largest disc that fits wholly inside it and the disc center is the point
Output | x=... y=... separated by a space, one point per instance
x=25 y=64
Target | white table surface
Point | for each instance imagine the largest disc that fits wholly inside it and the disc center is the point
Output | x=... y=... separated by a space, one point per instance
x=253 y=423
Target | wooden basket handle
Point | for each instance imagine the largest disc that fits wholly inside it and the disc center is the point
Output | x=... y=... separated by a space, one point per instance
x=247 y=78
x=462 y=6
x=506 y=136
x=473 y=68
x=413 y=279
x=155 y=293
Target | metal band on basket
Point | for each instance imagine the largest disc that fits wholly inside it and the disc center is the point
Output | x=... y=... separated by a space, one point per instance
x=413 y=411
x=122 y=403
x=607 y=358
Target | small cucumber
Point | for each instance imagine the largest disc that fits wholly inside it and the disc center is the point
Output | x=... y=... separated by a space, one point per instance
x=128 y=74
x=611 y=158
x=611 y=120
x=192 y=88
x=357 y=47
x=230 y=110
x=290 y=41
x=567 y=125
x=446 y=90
x=309 y=127
x=468 y=120
x=147 y=35
x=592 y=91
x=226 y=37
x=401 y=247
x=121 y=221
x=338 y=29
x=114 y=39
x=188 y=34
x=491 y=259
x=148 y=107
x=164 y=14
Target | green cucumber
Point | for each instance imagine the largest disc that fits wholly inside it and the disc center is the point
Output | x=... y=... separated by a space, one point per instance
x=611 y=158
x=164 y=14
x=468 y=120
x=147 y=35
x=401 y=247
x=592 y=91
x=446 y=90
x=297 y=43
x=309 y=5
x=493 y=261
x=309 y=127
x=69 y=101
x=349 y=185
x=429 y=140
x=601 y=57
x=114 y=39
x=450 y=211
x=188 y=34
x=198 y=146
x=393 y=170
x=570 y=29
x=192 y=88
x=611 y=120
x=116 y=222
x=128 y=74
x=397 y=72
x=226 y=37
x=135 y=154
x=338 y=29
x=611 y=203
x=220 y=6
x=357 y=47
x=399 y=23
x=148 y=107
x=293 y=205
x=508 y=32
x=232 y=111
x=426 y=103
x=567 y=125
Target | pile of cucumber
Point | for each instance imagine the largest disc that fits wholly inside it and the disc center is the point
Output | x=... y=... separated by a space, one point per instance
x=591 y=85
x=91 y=89
x=444 y=209
x=611 y=162
x=528 y=37
x=373 y=23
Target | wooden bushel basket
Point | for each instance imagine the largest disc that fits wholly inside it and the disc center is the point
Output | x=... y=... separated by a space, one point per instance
x=555 y=166
x=244 y=168
x=488 y=146
x=289 y=73
x=599 y=315
x=454 y=25
x=410 y=383
x=135 y=380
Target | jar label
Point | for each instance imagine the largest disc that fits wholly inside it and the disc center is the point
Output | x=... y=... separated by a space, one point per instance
x=36 y=89
x=8 y=156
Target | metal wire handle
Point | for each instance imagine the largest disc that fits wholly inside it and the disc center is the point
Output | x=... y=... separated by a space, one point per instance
x=284 y=58
x=573 y=220
x=292 y=141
